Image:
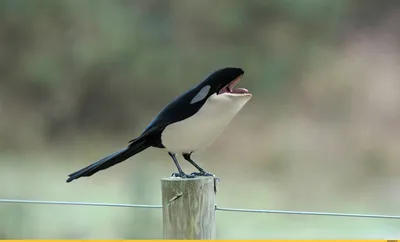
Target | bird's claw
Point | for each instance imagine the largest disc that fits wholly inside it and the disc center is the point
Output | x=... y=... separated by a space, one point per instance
x=204 y=174
x=182 y=175
x=201 y=174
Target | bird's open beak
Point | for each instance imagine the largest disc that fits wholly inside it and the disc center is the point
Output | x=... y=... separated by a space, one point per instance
x=230 y=88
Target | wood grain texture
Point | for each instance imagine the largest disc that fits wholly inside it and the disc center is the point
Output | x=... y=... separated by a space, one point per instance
x=188 y=208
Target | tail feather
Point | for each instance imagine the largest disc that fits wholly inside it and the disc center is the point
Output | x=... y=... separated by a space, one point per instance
x=110 y=160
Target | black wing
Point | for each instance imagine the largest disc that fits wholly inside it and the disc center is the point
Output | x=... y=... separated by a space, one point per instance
x=179 y=109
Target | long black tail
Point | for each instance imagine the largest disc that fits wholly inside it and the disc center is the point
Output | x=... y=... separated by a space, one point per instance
x=113 y=159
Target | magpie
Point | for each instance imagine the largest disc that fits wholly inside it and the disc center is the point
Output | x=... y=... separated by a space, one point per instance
x=190 y=123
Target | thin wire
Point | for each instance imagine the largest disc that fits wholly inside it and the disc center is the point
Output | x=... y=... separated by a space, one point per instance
x=121 y=205
x=353 y=215
x=287 y=212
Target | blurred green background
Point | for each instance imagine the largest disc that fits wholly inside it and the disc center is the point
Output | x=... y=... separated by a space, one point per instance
x=79 y=79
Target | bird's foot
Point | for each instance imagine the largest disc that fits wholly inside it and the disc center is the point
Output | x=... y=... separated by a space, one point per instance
x=204 y=173
x=182 y=175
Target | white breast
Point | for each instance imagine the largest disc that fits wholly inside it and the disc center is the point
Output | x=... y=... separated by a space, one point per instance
x=203 y=128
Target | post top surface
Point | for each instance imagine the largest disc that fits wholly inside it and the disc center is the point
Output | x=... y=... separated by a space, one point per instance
x=187 y=179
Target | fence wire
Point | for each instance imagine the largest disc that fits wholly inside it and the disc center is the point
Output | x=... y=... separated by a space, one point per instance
x=121 y=205
x=271 y=211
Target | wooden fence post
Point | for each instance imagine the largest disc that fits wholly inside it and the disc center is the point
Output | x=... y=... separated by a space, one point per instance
x=188 y=208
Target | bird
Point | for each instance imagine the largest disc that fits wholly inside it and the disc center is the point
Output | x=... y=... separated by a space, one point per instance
x=189 y=123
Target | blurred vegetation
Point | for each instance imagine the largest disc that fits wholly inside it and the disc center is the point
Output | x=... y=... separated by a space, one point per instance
x=84 y=64
x=79 y=79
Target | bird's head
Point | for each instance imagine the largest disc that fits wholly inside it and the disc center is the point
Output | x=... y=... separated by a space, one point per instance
x=220 y=85
x=223 y=81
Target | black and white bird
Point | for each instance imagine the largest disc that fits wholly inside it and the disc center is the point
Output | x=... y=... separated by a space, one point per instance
x=190 y=123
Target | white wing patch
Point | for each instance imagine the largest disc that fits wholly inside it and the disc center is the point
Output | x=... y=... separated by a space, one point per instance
x=201 y=95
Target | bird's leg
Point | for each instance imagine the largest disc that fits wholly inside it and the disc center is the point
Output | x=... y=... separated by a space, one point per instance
x=201 y=172
x=180 y=171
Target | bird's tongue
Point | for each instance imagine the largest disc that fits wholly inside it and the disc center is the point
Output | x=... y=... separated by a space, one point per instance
x=230 y=88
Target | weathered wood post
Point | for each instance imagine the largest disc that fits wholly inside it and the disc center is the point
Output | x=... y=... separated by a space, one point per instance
x=189 y=208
